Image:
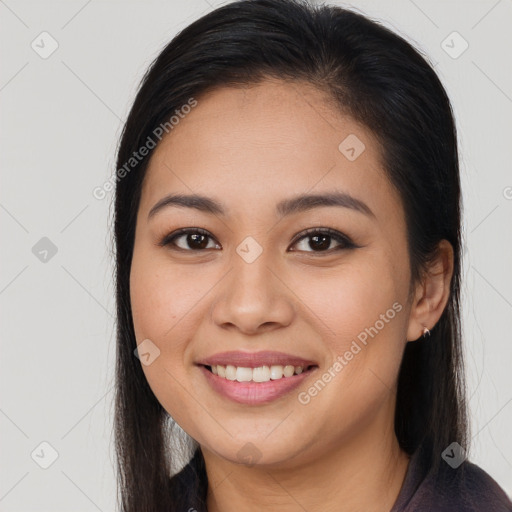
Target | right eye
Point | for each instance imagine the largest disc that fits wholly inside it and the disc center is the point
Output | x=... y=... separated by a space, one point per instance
x=191 y=239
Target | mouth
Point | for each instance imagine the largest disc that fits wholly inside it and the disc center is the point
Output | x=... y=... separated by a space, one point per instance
x=258 y=385
x=260 y=374
x=255 y=378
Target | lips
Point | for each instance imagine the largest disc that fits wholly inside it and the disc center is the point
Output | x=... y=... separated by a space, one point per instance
x=255 y=359
x=255 y=393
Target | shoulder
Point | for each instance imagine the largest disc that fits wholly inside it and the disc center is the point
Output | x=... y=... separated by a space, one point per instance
x=465 y=489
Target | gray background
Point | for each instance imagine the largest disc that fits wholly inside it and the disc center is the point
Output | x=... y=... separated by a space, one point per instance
x=60 y=121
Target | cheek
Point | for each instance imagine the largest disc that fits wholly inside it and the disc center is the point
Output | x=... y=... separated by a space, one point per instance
x=362 y=311
x=352 y=297
x=160 y=301
x=161 y=298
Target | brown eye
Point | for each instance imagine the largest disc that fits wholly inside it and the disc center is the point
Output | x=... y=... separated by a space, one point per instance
x=190 y=239
x=320 y=240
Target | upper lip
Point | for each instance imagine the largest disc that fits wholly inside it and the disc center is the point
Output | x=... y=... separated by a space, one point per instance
x=255 y=359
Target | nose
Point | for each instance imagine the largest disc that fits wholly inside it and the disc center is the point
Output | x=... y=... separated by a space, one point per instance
x=253 y=299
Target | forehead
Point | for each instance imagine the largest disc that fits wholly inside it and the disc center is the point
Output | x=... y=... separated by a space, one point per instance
x=254 y=145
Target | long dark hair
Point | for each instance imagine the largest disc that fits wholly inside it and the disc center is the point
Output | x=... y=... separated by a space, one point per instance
x=380 y=80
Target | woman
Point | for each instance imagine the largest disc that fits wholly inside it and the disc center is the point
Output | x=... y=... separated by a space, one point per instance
x=287 y=229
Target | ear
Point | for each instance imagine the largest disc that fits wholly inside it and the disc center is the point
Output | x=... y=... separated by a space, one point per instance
x=432 y=294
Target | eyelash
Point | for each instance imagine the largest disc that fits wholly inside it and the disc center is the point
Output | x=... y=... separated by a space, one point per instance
x=345 y=241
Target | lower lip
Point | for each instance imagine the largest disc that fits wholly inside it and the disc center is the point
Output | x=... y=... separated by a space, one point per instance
x=254 y=393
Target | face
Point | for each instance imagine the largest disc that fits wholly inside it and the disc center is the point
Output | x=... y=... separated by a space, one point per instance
x=317 y=286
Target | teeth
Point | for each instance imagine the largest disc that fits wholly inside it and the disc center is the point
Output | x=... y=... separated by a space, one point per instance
x=276 y=372
x=230 y=372
x=243 y=374
x=260 y=374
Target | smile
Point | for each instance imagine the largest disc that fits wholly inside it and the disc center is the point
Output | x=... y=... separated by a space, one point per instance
x=255 y=386
x=259 y=374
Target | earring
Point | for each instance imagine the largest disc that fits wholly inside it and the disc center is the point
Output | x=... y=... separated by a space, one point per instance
x=426 y=333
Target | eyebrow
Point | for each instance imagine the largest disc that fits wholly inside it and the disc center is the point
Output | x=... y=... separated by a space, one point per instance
x=300 y=203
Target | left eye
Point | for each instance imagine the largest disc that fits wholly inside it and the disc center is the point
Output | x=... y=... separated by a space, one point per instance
x=319 y=240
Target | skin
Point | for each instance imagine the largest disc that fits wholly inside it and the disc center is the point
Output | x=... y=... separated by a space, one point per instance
x=250 y=148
